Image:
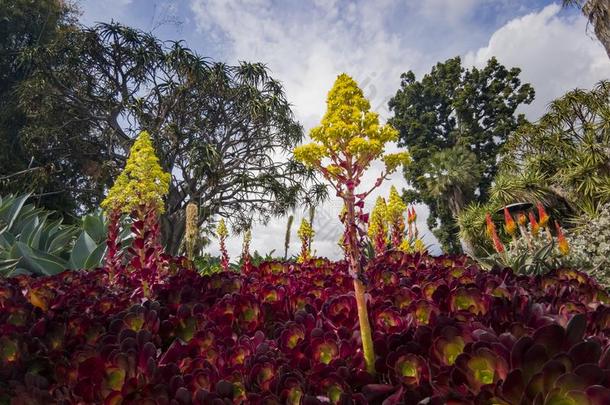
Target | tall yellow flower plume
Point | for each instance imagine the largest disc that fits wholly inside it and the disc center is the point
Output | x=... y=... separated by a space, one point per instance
x=349 y=128
x=378 y=228
x=142 y=182
x=306 y=234
x=396 y=207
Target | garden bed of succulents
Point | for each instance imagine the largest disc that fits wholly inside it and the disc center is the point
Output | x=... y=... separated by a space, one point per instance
x=444 y=332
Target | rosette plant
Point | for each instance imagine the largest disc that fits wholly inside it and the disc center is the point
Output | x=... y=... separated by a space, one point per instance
x=138 y=191
x=348 y=139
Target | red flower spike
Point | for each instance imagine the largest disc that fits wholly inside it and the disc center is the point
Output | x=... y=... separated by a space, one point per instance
x=490 y=226
x=522 y=219
x=534 y=226
x=543 y=218
x=564 y=247
x=509 y=224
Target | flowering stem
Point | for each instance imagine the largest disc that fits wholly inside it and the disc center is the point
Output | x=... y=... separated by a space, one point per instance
x=113 y=254
x=359 y=290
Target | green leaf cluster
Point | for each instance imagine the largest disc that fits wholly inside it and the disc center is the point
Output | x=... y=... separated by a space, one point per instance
x=454 y=122
x=38 y=242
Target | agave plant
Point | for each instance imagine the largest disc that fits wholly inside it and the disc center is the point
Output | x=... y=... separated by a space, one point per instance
x=33 y=242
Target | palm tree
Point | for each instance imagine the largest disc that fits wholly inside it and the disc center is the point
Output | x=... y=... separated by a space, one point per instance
x=451 y=178
x=452 y=175
x=598 y=14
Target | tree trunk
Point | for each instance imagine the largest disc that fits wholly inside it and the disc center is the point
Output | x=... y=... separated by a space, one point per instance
x=598 y=13
x=172 y=230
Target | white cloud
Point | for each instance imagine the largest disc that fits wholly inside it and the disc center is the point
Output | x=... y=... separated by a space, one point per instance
x=554 y=53
x=306 y=51
x=306 y=44
x=450 y=11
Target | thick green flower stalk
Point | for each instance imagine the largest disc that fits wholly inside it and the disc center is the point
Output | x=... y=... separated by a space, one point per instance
x=287 y=235
x=223 y=232
x=378 y=228
x=139 y=191
x=191 y=233
x=305 y=234
x=345 y=143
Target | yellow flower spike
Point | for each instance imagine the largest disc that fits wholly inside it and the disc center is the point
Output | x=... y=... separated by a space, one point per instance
x=396 y=206
x=420 y=246
x=348 y=127
x=378 y=228
x=306 y=234
x=350 y=137
x=221 y=229
x=142 y=182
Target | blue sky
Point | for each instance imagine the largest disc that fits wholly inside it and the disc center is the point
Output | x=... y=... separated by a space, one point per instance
x=307 y=43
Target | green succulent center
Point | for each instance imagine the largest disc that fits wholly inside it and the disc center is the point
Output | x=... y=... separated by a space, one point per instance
x=326 y=353
x=334 y=393
x=452 y=350
x=408 y=369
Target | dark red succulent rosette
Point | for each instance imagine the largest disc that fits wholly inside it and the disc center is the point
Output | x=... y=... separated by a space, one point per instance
x=444 y=332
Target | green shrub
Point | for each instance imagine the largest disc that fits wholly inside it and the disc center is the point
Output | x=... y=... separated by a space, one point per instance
x=35 y=241
x=590 y=245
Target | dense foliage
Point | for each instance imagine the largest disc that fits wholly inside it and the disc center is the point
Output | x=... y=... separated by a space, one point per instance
x=590 y=244
x=224 y=132
x=283 y=333
x=453 y=122
x=25 y=24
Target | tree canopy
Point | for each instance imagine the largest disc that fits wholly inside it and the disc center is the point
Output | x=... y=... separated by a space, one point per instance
x=223 y=132
x=453 y=122
x=24 y=24
x=563 y=159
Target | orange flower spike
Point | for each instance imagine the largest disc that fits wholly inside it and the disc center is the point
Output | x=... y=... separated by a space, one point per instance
x=412 y=215
x=564 y=248
x=490 y=225
x=509 y=223
x=535 y=227
x=543 y=217
x=522 y=219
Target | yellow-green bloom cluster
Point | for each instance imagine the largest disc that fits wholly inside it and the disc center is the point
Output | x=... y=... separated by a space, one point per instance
x=409 y=246
x=394 y=160
x=377 y=222
x=142 y=182
x=349 y=128
x=396 y=207
x=305 y=231
x=221 y=229
x=306 y=234
x=310 y=154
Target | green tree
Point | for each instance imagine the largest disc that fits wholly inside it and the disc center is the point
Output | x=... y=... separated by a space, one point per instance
x=24 y=24
x=563 y=159
x=225 y=133
x=598 y=14
x=453 y=122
